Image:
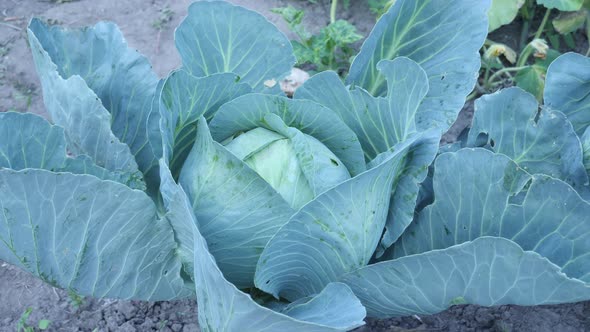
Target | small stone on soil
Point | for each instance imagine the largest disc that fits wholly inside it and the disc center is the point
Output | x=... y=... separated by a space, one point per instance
x=127 y=327
x=126 y=309
x=191 y=328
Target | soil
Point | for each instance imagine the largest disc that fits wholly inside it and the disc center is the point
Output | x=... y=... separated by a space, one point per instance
x=20 y=91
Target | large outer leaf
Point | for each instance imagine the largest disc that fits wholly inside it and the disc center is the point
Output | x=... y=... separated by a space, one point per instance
x=248 y=112
x=334 y=234
x=379 y=123
x=29 y=141
x=553 y=221
x=238 y=212
x=407 y=187
x=97 y=238
x=475 y=196
x=407 y=86
x=540 y=141
x=327 y=89
x=218 y=37
x=471 y=191
x=222 y=307
x=75 y=107
x=488 y=271
x=444 y=37
x=174 y=202
x=184 y=99
x=567 y=89
x=586 y=149
x=119 y=76
x=85 y=165
x=563 y=5
x=327 y=307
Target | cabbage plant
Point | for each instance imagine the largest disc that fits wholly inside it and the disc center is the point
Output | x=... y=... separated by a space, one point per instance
x=309 y=213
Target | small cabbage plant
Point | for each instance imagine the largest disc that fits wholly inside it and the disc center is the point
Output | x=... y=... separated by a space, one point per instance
x=303 y=214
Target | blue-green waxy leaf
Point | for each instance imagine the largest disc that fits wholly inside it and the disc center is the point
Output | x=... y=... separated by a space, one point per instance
x=586 y=149
x=488 y=271
x=563 y=5
x=87 y=72
x=444 y=37
x=222 y=307
x=218 y=37
x=248 y=112
x=238 y=212
x=407 y=187
x=379 y=123
x=540 y=141
x=554 y=222
x=85 y=165
x=467 y=203
x=328 y=306
x=334 y=234
x=78 y=110
x=548 y=216
x=327 y=89
x=29 y=141
x=407 y=85
x=94 y=237
x=567 y=89
x=184 y=99
x=175 y=204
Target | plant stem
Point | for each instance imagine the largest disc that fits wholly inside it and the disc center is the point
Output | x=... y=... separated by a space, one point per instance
x=524 y=34
x=502 y=71
x=524 y=55
x=528 y=13
x=543 y=23
x=333 y=11
x=486 y=77
x=472 y=95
